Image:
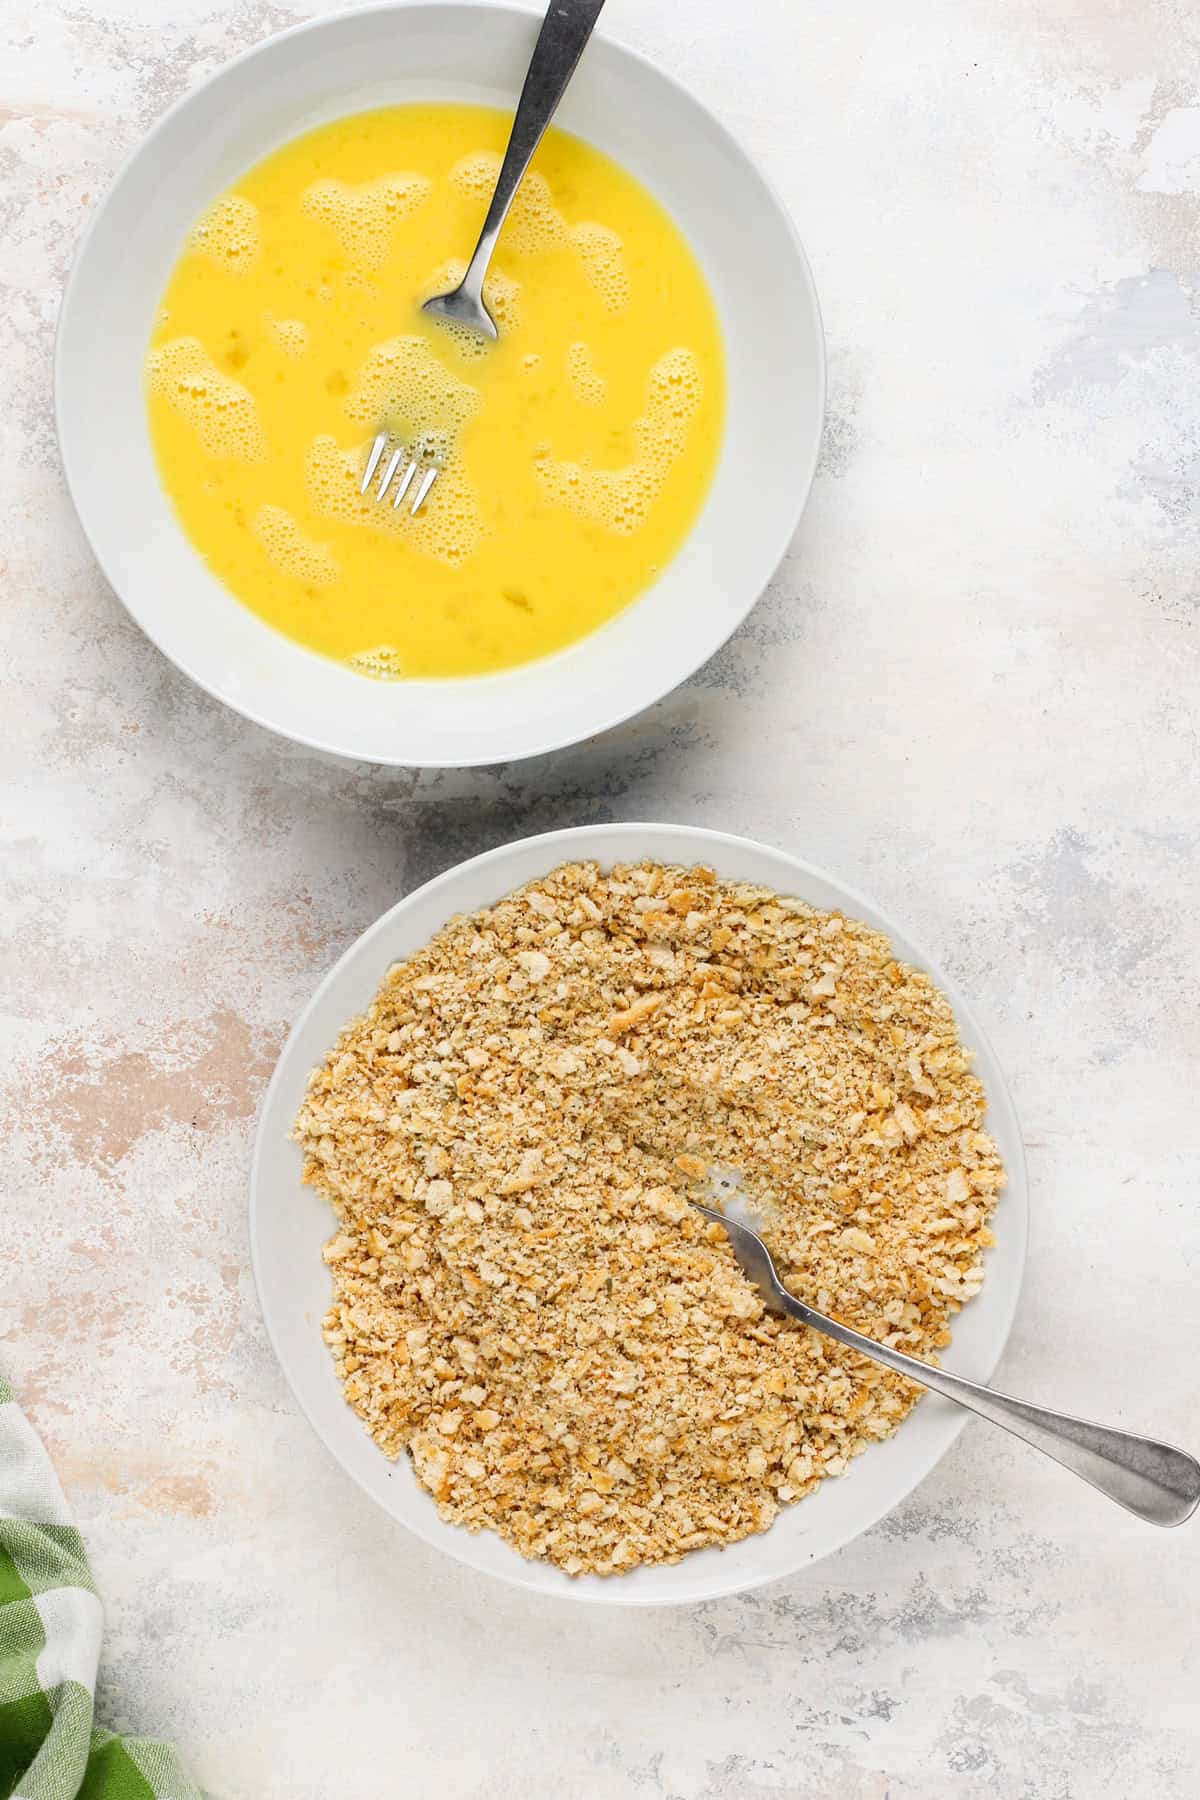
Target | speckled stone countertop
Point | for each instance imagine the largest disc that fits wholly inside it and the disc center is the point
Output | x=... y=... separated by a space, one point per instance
x=972 y=690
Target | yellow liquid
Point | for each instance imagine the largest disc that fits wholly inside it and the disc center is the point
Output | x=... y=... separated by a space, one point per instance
x=578 y=449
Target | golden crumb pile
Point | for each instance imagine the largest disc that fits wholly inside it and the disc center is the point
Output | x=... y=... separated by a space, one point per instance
x=523 y=1298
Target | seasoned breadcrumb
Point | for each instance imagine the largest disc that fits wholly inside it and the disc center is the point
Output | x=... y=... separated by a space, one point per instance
x=523 y=1298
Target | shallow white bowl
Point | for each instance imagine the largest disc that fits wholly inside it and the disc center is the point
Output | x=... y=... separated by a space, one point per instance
x=774 y=349
x=289 y=1225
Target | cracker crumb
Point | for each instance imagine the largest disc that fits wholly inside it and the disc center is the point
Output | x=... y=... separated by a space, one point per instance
x=525 y=1303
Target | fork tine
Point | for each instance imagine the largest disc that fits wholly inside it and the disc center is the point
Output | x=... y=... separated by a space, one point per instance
x=385 y=479
x=427 y=481
x=377 y=449
x=405 y=482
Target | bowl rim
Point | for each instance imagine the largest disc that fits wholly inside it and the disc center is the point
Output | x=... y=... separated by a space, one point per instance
x=691 y=657
x=584 y=841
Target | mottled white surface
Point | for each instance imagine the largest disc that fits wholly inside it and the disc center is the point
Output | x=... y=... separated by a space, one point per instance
x=972 y=689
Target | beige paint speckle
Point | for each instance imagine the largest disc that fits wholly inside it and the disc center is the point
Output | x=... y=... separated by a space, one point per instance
x=103 y=1098
x=186 y=1496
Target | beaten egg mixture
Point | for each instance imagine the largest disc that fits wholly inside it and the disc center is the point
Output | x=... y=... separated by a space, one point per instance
x=577 y=450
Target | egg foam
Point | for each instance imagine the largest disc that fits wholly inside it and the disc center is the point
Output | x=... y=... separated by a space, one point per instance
x=586 y=379
x=223 y=413
x=575 y=452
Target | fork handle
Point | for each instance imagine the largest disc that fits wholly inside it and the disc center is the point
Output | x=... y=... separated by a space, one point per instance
x=565 y=31
x=1153 y=1480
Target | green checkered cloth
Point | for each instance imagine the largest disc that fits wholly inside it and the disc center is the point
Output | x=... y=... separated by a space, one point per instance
x=50 y=1625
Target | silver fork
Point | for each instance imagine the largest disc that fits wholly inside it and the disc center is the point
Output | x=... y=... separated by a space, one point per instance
x=565 y=31
x=414 y=462
x=1153 y=1480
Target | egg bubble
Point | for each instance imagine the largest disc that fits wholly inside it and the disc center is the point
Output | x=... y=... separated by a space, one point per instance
x=404 y=384
x=620 y=499
x=584 y=377
x=222 y=411
x=291 y=551
x=475 y=174
x=229 y=234
x=602 y=253
x=384 y=663
x=361 y=218
x=290 y=335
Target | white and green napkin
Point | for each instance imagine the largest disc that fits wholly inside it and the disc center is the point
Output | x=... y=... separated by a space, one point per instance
x=51 y=1625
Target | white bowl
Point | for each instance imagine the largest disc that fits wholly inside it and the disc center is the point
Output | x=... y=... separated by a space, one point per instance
x=775 y=366
x=289 y=1225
